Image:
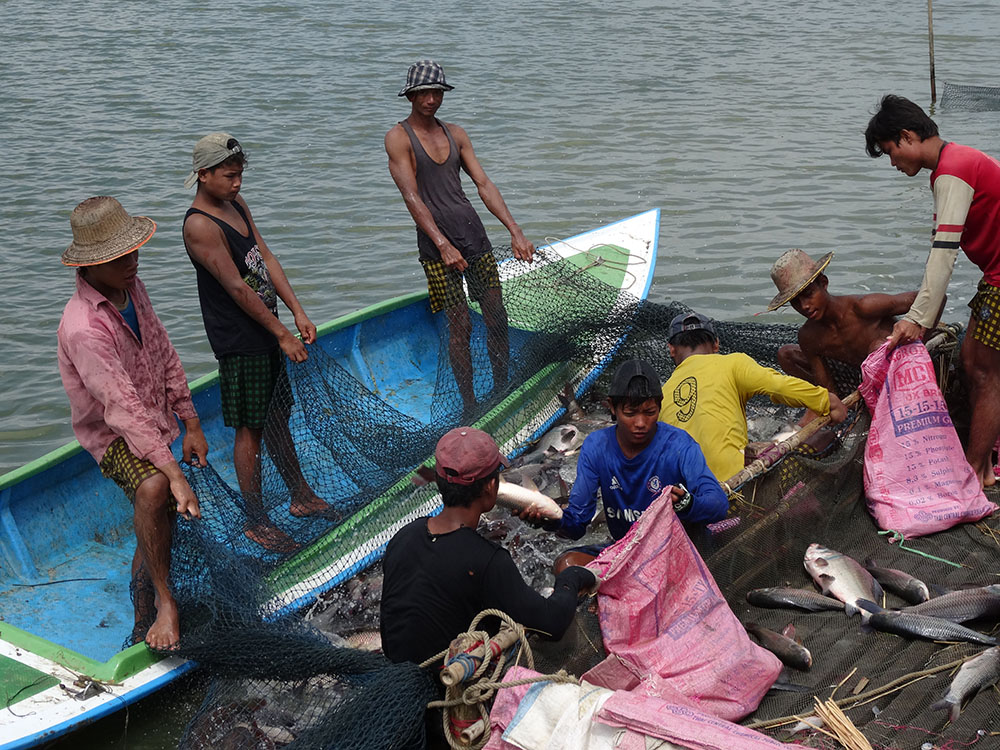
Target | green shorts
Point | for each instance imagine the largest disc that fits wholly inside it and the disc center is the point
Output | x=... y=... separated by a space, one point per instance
x=126 y=470
x=247 y=383
x=985 y=308
x=445 y=285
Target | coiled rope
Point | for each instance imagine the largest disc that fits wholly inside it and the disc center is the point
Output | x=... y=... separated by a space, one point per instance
x=466 y=716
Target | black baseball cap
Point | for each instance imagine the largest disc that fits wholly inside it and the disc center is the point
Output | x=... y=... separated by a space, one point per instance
x=690 y=321
x=633 y=368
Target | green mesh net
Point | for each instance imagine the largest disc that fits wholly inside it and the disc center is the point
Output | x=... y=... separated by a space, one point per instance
x=276 y=629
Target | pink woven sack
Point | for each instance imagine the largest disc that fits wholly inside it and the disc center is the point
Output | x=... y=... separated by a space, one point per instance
x=668 y=630
x=917 y=480
x=646 y=716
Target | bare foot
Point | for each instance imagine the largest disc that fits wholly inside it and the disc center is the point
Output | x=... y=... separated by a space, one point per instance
x=308 y=503
x=271 y=538
x=165 y=631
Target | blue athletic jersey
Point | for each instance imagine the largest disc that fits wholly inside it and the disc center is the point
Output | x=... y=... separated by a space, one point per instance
x=628 y=486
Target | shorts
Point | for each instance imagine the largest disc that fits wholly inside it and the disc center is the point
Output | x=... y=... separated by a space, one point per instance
x=247 y=383
x=121 y=466
x=985 y=308
x=445 y=285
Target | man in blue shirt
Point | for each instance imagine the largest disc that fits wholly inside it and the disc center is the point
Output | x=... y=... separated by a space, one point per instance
x=632 y=461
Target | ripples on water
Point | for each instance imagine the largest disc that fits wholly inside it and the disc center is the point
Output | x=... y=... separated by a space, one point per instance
x=743 y=122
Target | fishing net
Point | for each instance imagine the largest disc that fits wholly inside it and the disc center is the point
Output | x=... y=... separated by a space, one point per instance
x=282 y=631
x=965 y=98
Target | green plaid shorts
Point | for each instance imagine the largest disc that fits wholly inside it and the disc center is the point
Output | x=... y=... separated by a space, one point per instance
x=123 y=467
x=445 y=285
x=247 y=383
x=985 y=308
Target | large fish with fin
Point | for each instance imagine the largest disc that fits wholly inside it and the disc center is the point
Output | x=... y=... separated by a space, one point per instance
x=962 y=606
x=842 y=578
x=975 y=674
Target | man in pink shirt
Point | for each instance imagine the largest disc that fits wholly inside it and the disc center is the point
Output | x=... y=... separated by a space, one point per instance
x=966 y=187
x=125 y=385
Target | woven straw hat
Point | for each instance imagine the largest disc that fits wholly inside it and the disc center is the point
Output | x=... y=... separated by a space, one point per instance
x=103 y=231
x=792 y=273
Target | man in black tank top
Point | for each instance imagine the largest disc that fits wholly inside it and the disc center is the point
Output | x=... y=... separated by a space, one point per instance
x=424 y=159
x=239 y=282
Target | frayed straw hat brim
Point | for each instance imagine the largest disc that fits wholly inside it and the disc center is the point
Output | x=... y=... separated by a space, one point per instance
x=130 y=236
x=783 y=297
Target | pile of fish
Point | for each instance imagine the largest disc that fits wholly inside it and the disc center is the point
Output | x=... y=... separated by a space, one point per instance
x=859 y=589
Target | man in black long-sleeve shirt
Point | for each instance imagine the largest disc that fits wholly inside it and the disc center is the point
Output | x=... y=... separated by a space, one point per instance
x=439 y=573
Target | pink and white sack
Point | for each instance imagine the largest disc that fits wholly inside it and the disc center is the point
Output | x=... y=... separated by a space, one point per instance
x=549 y=716
x=668 y=630
x=917 y=480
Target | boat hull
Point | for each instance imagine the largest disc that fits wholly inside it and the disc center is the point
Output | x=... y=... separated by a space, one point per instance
x=66 y=539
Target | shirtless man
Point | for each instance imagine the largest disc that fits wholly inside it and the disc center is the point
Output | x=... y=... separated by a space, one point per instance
x=840 y=331
x=424 y=159
x=239 y=283
x=966 y=187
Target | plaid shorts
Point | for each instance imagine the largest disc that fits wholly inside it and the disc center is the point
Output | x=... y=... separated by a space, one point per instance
x=247 y=382
x=126 y=470
x=985 y=308
x=445 y=285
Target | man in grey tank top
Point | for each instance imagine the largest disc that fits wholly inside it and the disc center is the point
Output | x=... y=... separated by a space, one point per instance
x=425 y=155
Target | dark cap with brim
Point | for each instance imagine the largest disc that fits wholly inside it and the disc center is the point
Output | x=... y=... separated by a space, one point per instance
x=465 y=455
x=690 y=321
x=633 y=368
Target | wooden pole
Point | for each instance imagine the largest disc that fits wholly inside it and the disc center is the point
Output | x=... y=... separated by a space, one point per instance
x=930 y=42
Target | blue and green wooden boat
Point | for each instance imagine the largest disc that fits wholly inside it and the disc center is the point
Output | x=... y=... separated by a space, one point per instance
x=66 y=538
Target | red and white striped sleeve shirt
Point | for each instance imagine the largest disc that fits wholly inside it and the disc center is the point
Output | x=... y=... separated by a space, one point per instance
x=966 y=186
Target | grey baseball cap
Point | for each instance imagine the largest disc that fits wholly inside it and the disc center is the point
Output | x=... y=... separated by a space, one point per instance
x=213 y=149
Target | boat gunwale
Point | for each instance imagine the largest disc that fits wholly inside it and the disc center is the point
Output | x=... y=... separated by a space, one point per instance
x=60 y=454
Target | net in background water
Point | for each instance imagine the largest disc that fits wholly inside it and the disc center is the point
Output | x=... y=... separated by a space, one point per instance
x=281 y=683
x=965 y=98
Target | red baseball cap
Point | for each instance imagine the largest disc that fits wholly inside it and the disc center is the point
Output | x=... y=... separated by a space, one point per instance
x=465 y=455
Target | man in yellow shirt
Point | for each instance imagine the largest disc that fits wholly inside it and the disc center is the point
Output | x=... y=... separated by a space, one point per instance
x=706 y=396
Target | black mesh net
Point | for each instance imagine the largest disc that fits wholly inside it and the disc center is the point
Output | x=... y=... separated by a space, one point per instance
x=284 y=631
x=966 y=98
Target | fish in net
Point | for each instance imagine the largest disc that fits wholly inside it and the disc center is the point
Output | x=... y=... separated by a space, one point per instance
x=282 y=677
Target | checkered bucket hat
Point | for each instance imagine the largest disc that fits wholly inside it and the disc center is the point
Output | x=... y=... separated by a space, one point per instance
x=425 y=74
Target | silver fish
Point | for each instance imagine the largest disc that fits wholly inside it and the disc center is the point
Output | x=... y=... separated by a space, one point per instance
x=925 y=627
x=787 y=430
x=899 y=582
x=365 y=640
x=782 y=645
x=777 y=597
x=975 y=674
x=808 y=722
x=843 y=578
x=962 y=606
x=560 y=440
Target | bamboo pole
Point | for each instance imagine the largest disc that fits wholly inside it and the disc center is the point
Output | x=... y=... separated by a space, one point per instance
x=930 y=43
x=779 y=450
x=771 y=455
